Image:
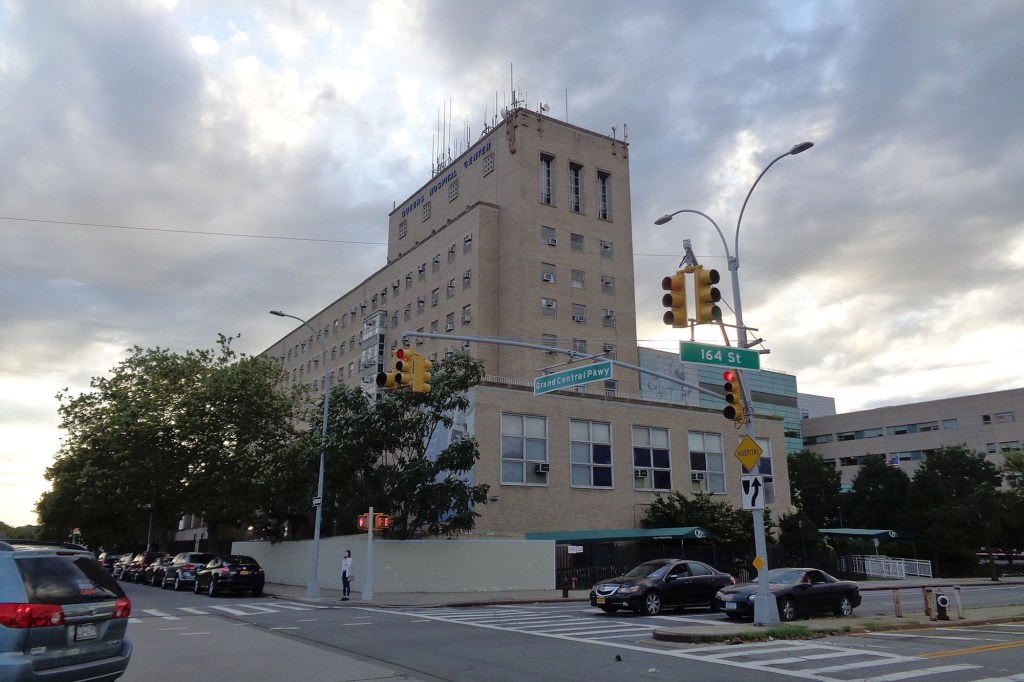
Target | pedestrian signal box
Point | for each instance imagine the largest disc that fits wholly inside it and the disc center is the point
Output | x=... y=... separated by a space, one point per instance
x=380 y=521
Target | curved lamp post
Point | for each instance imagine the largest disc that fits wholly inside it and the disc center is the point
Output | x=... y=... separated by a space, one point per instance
x=765 y=609
x=313 y=586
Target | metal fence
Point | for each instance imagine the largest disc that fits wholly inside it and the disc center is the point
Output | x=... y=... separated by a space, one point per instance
x=877 y=566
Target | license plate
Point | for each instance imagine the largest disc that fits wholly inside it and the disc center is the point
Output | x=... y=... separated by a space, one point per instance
x=600 y=600
x=243 y=573
x=730 y=606
x=85 y=631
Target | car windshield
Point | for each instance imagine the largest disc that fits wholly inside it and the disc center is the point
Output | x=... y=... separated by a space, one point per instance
x=649 y=569
x=63 y=580
x=784 y=576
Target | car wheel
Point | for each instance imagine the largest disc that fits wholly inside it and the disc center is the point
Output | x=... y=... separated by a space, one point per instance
x=609 y=609
x=713 y=605
x=212 y=588
x=196 y=588
x=177 y=584
x=845 y=606
x=787 y=610
x=651 y=604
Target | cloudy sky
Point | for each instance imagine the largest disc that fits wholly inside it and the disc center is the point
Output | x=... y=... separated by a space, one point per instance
x=173 y=170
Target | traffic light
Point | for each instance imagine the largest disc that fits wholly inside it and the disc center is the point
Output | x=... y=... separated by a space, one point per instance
x=706 y=295
x=733 y=395
x=675 y=299
x=363 y=522
x=401 y=374
x=380 y=521
x=421 y=374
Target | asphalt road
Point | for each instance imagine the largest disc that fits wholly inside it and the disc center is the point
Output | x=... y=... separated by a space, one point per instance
x=186 y=636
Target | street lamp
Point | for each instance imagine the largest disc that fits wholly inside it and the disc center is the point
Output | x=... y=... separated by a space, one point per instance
x=766 y=611
x=313 y=586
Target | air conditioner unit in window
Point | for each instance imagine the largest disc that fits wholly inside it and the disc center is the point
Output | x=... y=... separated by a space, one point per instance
x=551 y=241
x=639 y=473
x=449 y=327
x=609 y=348
x=465 y=319
x=541 y=467
x=547 y=277
x=609 y=313
x=466 y=278
x=548 y=304
x=696 y=476
x=606 y=246
x=578 y=318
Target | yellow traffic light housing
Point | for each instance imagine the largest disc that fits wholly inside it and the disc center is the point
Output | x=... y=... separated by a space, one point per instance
x=706 y=295
x=675 y=300
x=733 y=396
x=421 y=374
x=401 y=374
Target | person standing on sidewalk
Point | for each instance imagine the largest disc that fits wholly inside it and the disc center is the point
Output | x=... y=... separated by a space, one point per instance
x=346 y=575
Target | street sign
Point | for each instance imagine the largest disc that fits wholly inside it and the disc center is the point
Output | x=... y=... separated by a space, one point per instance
x=317 y=501
x=724 y=356
x=568 y=378
x=748 y=452
x=752 y=492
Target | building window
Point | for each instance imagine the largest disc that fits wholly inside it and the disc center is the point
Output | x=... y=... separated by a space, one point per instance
x=575 y=188
x=453 y=190
x=604 y=201
x=607 y=249
x=467 y=313
x=547 y=236
x=611 y=388
x=590 y=454
x=451 y=288
x=549 y=340
x=608 y=318
x=449 y=322
x=1003 y=417
x=547 y=273
x=949 y=424
x=579 y=312
x=579 y=345
x=607 y=285
x=421 y=305
x=403 y=229
x=488 y=163
x=451 y=253
x=652 y=461
x=423 y=272
x=547 y=307
x=707 y=463
x=426 y=212
x=408 y=312
x=576 y=242
x=524 y=449
x=467 y=244
x=435 y=264
x=547 y=179
x=435 y=297
x=578 y=277
x=467 y=279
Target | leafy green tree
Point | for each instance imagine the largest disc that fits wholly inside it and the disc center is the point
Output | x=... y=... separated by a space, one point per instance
x=732 y=527
x=879 y=496
x=955 y=504
x=160 y=437
x=815 y=489
x=400 y=455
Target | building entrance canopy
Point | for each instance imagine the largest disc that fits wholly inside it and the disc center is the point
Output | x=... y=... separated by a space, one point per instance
x=864 y=534
x=580 y=537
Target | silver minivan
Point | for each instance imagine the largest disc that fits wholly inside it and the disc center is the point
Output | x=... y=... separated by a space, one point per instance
x=62 y=616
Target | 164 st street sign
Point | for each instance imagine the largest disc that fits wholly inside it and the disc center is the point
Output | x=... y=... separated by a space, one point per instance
x=725 y=356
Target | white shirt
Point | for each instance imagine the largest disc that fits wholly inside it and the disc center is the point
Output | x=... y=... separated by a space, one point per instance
x=346 y=565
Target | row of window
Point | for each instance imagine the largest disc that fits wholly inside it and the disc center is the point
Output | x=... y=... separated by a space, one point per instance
x=525 y=458
x=549 y=308
x=895 y=458
x=577 y=242
x=549 y=275
x=576 y=184
x=904 y=429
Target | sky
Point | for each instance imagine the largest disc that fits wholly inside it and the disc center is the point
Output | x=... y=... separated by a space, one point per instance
x=172 y=170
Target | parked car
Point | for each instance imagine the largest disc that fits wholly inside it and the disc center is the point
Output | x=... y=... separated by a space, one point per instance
x=155 y=570
x=231 y=573
x=136 y=570
x=658 y=584
x=62 y=616
x=797 y=591
x=120 y=565
x=183 y=568
x=107 y=560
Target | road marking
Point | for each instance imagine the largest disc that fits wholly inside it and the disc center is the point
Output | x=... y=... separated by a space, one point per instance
x=984 y=648
x=228 y=609
x=950 y=637
x=190 y=609
x=351 y=624
x=285 y=628
x=910 y=674
x=298 y=607
x=190 y=634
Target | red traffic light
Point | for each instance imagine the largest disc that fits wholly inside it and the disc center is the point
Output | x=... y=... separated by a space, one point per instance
x=729 y=375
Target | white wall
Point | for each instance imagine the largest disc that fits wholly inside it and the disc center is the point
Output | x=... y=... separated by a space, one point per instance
x=413 y=565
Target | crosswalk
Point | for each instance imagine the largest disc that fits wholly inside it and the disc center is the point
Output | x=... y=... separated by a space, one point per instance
x=818 y=660
x=235 y=609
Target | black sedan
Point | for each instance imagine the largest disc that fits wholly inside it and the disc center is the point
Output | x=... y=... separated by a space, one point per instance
x=658 y=584
x=232 y=573
x=797 y=591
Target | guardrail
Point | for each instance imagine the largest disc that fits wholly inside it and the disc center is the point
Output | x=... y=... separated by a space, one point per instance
x=877 y=566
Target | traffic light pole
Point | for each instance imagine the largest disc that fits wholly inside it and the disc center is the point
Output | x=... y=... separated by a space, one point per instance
x=766 y=610
x=368 y=581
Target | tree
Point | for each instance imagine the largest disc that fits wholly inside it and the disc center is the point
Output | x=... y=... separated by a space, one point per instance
x=164 y=434
x=879 y=496
x=400 y=454
x=955 y=504
x=732 y=527
x=815 y=489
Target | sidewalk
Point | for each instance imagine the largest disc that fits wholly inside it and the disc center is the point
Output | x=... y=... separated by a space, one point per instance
x=715 y=628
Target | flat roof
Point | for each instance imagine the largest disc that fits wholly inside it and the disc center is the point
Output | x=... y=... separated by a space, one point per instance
x=614 y=534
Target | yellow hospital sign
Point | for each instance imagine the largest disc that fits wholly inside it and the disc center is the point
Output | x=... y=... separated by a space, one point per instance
x=748 y=453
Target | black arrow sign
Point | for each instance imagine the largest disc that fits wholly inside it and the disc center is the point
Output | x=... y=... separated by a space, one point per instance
x=756 y=485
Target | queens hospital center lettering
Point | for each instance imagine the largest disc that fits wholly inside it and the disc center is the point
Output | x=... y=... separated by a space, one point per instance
x=448 y=177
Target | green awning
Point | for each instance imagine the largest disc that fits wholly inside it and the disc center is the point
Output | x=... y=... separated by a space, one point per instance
x=865 y=533
x=579 y=537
